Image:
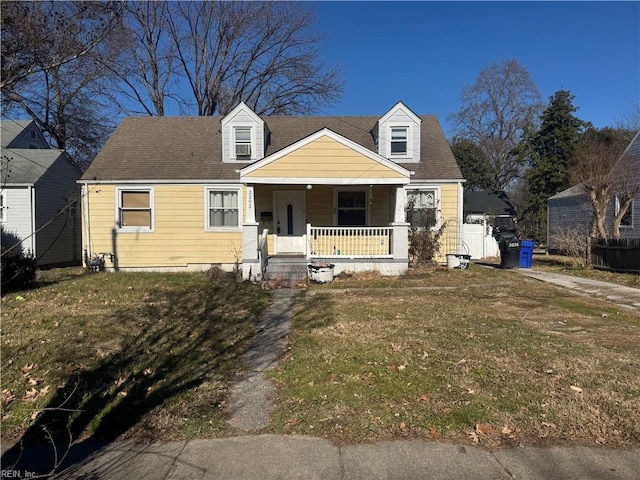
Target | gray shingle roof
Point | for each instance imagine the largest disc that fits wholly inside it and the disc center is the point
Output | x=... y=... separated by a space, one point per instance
x=10 y=129
x=189 y=148
x=27 y=165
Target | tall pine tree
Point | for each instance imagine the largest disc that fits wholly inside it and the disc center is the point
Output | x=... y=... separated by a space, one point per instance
x=551 y=151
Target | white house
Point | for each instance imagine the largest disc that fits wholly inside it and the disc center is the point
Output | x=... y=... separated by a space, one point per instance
x=37 y=185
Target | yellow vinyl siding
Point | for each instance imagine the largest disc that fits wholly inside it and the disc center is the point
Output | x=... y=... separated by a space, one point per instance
x=449 y=201
x=179 y=237
x=324 y=158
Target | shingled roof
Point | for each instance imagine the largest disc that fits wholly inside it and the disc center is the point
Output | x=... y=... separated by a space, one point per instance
x=189 y=148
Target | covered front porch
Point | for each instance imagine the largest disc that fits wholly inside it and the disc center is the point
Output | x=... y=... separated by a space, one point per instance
x=325 y=198
x=355 y=228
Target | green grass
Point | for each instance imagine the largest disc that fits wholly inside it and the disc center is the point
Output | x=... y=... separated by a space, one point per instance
x=131 y=355
x=457 y=352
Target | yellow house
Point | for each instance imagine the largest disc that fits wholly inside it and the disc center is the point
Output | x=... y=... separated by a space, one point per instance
x=245 y=192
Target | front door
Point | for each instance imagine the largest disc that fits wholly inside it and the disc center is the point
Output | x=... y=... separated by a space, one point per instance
x=290 y=222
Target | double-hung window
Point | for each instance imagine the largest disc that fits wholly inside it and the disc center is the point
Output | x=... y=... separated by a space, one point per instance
x=422 y=208
x=351 y=208
x=399 y=136
x=135 y=209
x=242 y=143
x=223 y=207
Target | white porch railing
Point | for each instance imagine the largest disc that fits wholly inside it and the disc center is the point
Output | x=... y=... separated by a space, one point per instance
x=263 y=253
x=364 y=242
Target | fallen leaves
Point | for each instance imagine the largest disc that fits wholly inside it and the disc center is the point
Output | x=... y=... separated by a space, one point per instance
x=7 y=396
x=576 y=389
x=27 y=369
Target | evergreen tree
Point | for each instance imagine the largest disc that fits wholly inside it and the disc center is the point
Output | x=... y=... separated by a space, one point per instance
x=551 y=152
x=473 y=164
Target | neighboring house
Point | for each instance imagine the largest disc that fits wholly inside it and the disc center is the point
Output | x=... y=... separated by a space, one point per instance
x=38 y=183
x=569 y=213
x=483 y=205
x=188 y=193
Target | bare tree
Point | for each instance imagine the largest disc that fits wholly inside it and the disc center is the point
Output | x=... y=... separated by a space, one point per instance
x=51 y=72
x=209 y=56
x=600 y=170
x=497 y=111
x=37 y=36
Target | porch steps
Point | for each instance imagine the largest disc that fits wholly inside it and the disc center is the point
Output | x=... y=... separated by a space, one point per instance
x=286 y=270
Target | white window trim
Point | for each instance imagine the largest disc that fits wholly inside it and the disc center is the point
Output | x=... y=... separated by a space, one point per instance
x=367 y=207
x=409 y=153
x=232 y=141
x=438 y=200
x=629 y=210
x=207 y=207
x=135 y=188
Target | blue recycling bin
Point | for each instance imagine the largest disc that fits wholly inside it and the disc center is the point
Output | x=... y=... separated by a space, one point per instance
x=526 y=253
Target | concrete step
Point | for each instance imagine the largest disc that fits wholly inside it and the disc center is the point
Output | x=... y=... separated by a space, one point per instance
x=286 y=270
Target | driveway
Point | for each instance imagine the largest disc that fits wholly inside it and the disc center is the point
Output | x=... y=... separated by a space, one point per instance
x=625 y=297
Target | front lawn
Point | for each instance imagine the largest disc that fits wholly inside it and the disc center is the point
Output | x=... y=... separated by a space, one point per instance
x=146 y=356
x=480 y=356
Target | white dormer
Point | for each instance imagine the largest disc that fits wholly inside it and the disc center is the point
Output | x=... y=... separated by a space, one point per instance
x=398 y=134
x=243 y=135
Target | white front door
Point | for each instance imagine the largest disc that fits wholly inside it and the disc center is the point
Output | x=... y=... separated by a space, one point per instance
x=290 y=222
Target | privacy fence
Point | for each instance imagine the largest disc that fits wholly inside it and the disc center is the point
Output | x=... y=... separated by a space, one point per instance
x=615 y=254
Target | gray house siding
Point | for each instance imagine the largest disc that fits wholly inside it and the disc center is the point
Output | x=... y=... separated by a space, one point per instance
x=59 y=242
x=567 y=215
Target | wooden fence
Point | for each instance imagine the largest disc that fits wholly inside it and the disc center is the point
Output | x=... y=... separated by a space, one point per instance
x=615 y=254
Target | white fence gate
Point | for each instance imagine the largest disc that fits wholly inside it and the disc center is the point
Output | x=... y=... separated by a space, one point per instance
x=479 y=241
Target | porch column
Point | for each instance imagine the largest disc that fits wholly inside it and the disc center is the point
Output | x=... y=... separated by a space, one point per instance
x=400 y=238
x=250 y=261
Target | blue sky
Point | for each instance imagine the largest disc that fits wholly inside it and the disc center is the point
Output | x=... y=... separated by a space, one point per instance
x=424 y=53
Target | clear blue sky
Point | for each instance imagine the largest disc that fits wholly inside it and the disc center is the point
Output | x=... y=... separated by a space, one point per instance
x=424 y=53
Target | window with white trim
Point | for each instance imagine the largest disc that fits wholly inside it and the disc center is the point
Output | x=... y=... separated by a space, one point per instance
x=242 y=143
x=399 y=140
x=223 y=207
x=627 y=220
x=422 y=207
x=351 y=208
x=135 y=209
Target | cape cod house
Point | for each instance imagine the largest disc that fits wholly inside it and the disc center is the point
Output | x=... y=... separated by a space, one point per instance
x=38 y=183
x=241 y=191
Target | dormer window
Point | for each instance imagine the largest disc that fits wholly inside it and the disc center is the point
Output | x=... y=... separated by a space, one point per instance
x=399 y=137
x=242 y=143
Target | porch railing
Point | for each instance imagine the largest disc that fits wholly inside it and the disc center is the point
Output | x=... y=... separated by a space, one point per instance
x=365 y=242
x=263 y=253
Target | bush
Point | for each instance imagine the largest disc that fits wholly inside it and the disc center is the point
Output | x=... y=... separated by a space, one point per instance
x=424 y=238
x=18 y=268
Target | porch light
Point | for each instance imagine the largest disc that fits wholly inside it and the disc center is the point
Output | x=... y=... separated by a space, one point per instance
x=309 y=187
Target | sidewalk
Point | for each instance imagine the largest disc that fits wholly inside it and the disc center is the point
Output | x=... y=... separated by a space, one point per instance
x=267 y=457
x=625 y=297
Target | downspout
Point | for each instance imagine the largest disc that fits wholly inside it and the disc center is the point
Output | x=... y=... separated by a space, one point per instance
x=33 y=221
x=461 y=220
x=85 y=209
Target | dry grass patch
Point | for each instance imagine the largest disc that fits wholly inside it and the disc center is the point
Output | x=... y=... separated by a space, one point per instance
x=491 y=357
x=563 y=264
x=137 y=355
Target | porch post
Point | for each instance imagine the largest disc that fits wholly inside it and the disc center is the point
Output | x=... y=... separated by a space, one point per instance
x=250 y=261
x=400 y=238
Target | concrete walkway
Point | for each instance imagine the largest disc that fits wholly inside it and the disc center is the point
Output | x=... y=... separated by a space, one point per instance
x=625 y=297
x=251 y=397
x=266 y=457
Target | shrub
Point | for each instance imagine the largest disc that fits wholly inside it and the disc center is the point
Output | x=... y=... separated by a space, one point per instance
x=18 y=268
x=424 y=238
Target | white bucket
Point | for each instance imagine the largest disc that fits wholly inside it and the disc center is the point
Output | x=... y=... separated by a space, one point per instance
x=452 y=260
